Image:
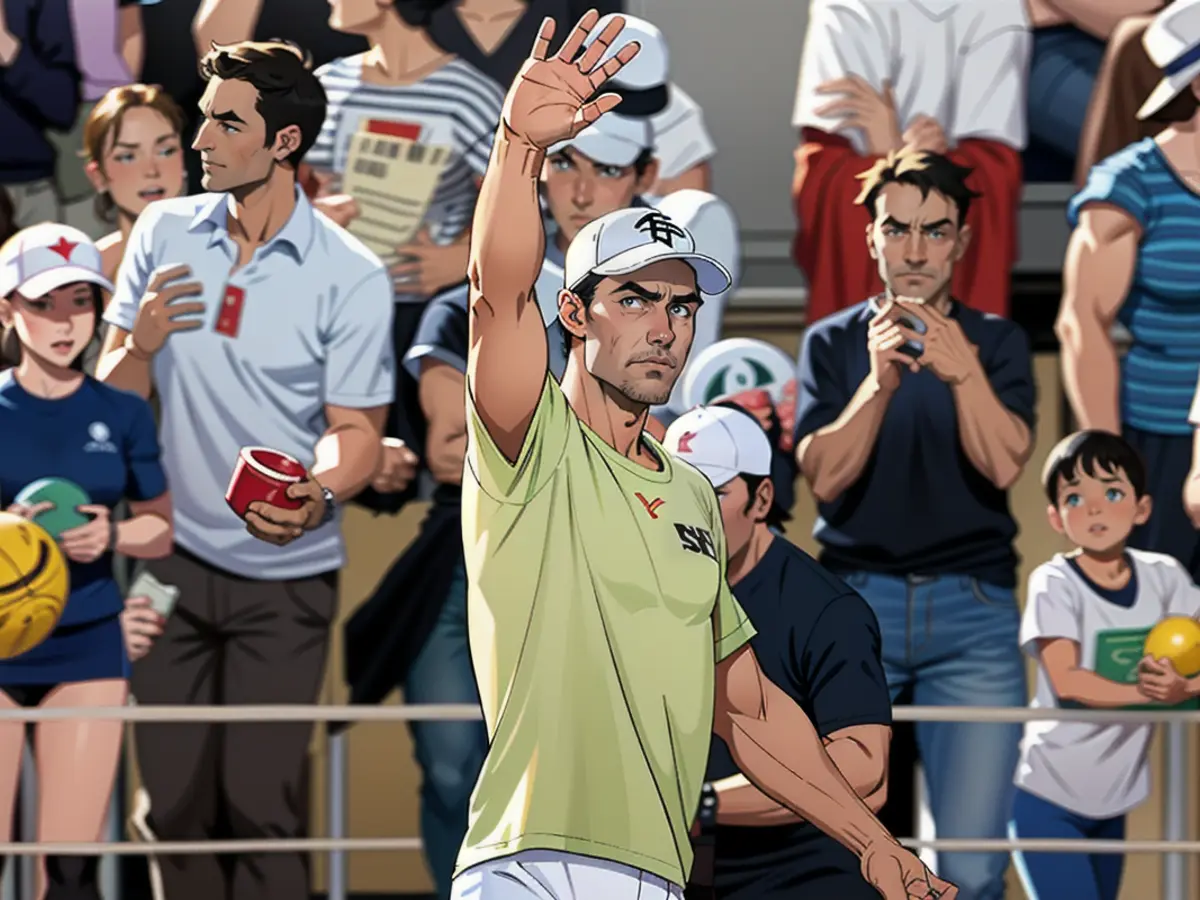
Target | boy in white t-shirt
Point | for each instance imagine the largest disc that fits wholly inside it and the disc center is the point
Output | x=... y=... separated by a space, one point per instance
x=1086 y=618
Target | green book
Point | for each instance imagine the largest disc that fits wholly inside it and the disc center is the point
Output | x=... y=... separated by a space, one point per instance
x=1118 y=653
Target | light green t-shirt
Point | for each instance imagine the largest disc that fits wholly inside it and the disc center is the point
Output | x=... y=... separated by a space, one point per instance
x=593 y=583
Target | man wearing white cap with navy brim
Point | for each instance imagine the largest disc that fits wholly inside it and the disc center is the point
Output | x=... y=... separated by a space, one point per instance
x=606 y=643
x=682 y=143
x=819 y=641
x=1132 y=257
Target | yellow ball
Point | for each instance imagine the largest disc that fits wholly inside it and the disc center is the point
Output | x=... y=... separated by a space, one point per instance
x=34 y=584
x=1178 y=639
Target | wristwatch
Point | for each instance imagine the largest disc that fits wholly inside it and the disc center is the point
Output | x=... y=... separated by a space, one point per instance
x=330 y=507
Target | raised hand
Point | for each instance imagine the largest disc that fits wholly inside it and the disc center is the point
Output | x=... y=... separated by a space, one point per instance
x=157 y=319
x=553 y=99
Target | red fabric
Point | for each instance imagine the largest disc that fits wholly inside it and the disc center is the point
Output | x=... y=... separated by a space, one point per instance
x=831 y=242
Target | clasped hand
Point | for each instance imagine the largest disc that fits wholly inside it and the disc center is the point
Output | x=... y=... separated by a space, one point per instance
x=1159 y=681
x=84 y=543
x=946 y=352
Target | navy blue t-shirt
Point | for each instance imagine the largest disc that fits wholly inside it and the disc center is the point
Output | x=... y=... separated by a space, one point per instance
x=920 y=507
x=818 y=640
x=102 y=439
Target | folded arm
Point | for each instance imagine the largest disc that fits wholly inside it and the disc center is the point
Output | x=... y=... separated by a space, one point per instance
x=507 y=365
x=859 y=752
x=224 y=22
x=775 y=745
x=1072 y=682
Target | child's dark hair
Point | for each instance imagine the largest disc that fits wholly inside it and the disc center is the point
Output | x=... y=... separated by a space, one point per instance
x=777 y=516
x=1093 y=453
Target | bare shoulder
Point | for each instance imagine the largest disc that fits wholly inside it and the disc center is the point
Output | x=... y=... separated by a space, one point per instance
x=112 y=249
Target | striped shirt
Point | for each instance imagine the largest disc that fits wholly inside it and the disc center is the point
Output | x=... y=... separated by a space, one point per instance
x=1162 y=308
x=457 y=107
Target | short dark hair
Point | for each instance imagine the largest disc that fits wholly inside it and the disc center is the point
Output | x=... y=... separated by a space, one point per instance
x=418 y=13
x=923 y=170
x=1092 y=452
x=776 y=516
x=586 y=292
x=288 y=91
x=10 y=342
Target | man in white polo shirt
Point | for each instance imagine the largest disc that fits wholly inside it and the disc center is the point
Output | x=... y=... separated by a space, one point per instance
x=278 y=335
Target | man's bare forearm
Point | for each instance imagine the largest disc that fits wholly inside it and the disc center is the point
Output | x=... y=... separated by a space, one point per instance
x=508 y=240
x=740 y=803
x=781 y=753
x=346 y=458
x=996 y=441
x=833 y=457
x=123 y=369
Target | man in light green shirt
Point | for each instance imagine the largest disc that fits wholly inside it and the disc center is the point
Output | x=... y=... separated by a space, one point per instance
x=605 y=640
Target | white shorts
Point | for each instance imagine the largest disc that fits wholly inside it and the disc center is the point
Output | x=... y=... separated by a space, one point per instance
x=557 y=875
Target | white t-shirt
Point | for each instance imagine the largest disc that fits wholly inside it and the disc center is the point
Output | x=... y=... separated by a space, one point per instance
x=1093 y=770
x=681 y=139
x=964 y=64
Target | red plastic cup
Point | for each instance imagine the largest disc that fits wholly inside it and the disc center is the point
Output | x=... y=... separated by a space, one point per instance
x=263 y=474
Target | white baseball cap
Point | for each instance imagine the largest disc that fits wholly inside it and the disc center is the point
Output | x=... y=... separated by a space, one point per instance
x=722 y=443
x=612 y=140
x=630 y=239
x=646 y=70
x=44 y=257
x=1172 y=42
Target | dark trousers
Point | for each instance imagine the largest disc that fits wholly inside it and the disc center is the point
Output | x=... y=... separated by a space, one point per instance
x=1168 y=459
x=232 y=640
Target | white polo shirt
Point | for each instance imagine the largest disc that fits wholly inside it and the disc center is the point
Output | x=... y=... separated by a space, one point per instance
x=964 y=64
x=1096 y=770
x=315 y=330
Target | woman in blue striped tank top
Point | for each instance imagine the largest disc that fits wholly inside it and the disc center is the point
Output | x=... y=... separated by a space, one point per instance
x=1134 y=259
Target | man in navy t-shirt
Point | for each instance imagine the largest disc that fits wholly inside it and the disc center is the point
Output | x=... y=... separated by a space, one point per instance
x=818 y=640
x=914 y=416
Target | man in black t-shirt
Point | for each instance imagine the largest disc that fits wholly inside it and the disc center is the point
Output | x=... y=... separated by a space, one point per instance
x=816 y=639
x=914 y=417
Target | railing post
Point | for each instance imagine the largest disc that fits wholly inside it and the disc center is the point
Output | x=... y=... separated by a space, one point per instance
x=1176 y=792
x=335 y=779
x=110 y=865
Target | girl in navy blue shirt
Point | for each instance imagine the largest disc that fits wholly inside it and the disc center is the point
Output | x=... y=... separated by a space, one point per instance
x=58 y=422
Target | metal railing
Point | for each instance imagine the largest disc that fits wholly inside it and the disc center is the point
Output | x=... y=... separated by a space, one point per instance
x=1174 y=847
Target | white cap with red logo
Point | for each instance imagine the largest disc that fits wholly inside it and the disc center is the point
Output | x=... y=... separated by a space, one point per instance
x=722 y=443
x=42 y=258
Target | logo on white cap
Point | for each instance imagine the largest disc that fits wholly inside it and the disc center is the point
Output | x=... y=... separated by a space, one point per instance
x=660 y=228
x=624 y=241
x=722 y=443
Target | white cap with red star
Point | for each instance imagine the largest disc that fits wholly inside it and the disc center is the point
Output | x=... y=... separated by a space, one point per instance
x=42 y=258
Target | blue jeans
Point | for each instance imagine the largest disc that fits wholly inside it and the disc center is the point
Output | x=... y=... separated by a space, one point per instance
x=450 y=754
x=1080 y=876
x=953 y=641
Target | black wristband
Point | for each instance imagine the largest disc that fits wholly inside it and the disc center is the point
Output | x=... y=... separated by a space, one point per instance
x=707 y=815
